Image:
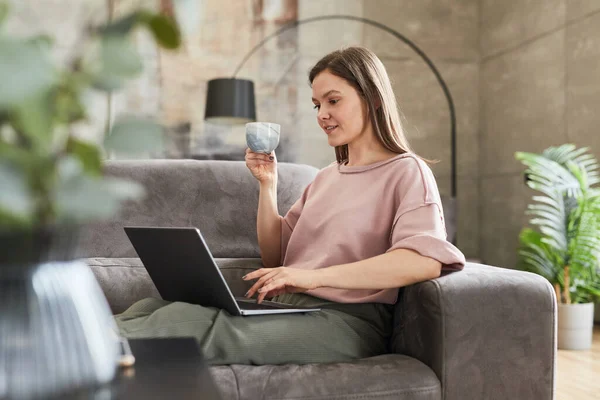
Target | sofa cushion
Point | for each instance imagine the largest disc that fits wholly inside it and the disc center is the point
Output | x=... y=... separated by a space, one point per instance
x=382 y=377
x=125 y=280
x=218 y=197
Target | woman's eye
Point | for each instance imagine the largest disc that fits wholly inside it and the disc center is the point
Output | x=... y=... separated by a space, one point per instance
x=316 y=106
x=333 y=101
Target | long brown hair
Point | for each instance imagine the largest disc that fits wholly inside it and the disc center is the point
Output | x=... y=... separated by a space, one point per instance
x=362 y=69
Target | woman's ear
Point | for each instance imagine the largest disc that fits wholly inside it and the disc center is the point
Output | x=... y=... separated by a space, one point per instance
x=377 y=103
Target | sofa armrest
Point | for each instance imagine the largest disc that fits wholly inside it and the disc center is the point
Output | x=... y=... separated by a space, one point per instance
x=487 y=332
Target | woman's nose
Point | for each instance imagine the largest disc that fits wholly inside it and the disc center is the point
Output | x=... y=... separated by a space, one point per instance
x=323 y=114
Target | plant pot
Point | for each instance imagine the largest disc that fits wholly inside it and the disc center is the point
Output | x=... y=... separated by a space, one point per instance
x=57 y=332
x=597 y=313
x=575 y=326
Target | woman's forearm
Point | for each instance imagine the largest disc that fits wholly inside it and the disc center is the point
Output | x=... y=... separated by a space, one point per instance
x=268 y=225
x=395 y=269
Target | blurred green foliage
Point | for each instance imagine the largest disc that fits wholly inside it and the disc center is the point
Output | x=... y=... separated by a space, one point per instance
x=48 y=176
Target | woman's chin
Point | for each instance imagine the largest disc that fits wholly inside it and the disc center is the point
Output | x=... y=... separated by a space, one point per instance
x=334 y=142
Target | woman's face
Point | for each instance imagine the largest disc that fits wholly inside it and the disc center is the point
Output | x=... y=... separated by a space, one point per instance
x=340 y=110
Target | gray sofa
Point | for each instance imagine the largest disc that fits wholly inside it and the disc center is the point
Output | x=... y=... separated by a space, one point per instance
x=481 y=333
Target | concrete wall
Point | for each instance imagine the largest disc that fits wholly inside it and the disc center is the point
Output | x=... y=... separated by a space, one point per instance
x=539 y=86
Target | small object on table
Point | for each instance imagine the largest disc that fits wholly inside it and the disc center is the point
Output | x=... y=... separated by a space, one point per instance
x=127 y=359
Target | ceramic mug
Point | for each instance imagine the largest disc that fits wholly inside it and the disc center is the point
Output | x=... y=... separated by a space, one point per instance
x=262 y=137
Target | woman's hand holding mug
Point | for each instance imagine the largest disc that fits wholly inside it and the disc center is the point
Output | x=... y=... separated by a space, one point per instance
x=262 y=166
x=262 y=139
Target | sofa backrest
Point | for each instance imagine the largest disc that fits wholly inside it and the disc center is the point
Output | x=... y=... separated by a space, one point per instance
x=218 y=197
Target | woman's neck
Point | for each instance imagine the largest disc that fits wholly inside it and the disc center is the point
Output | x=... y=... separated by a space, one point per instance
x=368 y=152
x=370 y=159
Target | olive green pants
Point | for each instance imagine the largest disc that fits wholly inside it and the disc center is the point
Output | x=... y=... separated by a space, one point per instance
x=339 y=332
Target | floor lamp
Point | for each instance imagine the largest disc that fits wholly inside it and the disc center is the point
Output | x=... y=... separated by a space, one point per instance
x=232 y=101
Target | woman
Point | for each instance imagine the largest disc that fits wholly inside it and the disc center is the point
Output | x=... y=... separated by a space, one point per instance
x=368 y=224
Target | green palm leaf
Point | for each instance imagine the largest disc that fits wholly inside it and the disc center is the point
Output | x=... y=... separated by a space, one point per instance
x=569 y=153
x=536 y=256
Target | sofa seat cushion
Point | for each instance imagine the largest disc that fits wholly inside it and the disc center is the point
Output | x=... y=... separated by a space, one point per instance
x=389 y=376
x=125 y=280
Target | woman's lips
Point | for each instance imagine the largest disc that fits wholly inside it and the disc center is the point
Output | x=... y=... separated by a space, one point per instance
x=328 y=131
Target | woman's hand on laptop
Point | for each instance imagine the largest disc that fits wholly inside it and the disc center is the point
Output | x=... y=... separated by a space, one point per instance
x=275 y=281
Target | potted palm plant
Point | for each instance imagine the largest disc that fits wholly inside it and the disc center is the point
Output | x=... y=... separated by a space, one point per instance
x=563 y=242
x=55 y=324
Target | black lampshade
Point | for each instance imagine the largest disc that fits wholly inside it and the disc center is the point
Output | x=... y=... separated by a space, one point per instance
x=230 y=101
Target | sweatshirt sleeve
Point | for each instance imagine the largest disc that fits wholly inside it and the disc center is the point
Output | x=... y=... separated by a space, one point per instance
x=419 y=219
x=422 y=230
x=289 y=221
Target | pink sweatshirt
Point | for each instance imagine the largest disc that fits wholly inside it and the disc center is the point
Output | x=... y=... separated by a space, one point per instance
x=349 y=214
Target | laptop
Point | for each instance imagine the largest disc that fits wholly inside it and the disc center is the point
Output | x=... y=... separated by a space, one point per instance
x=183 y=269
